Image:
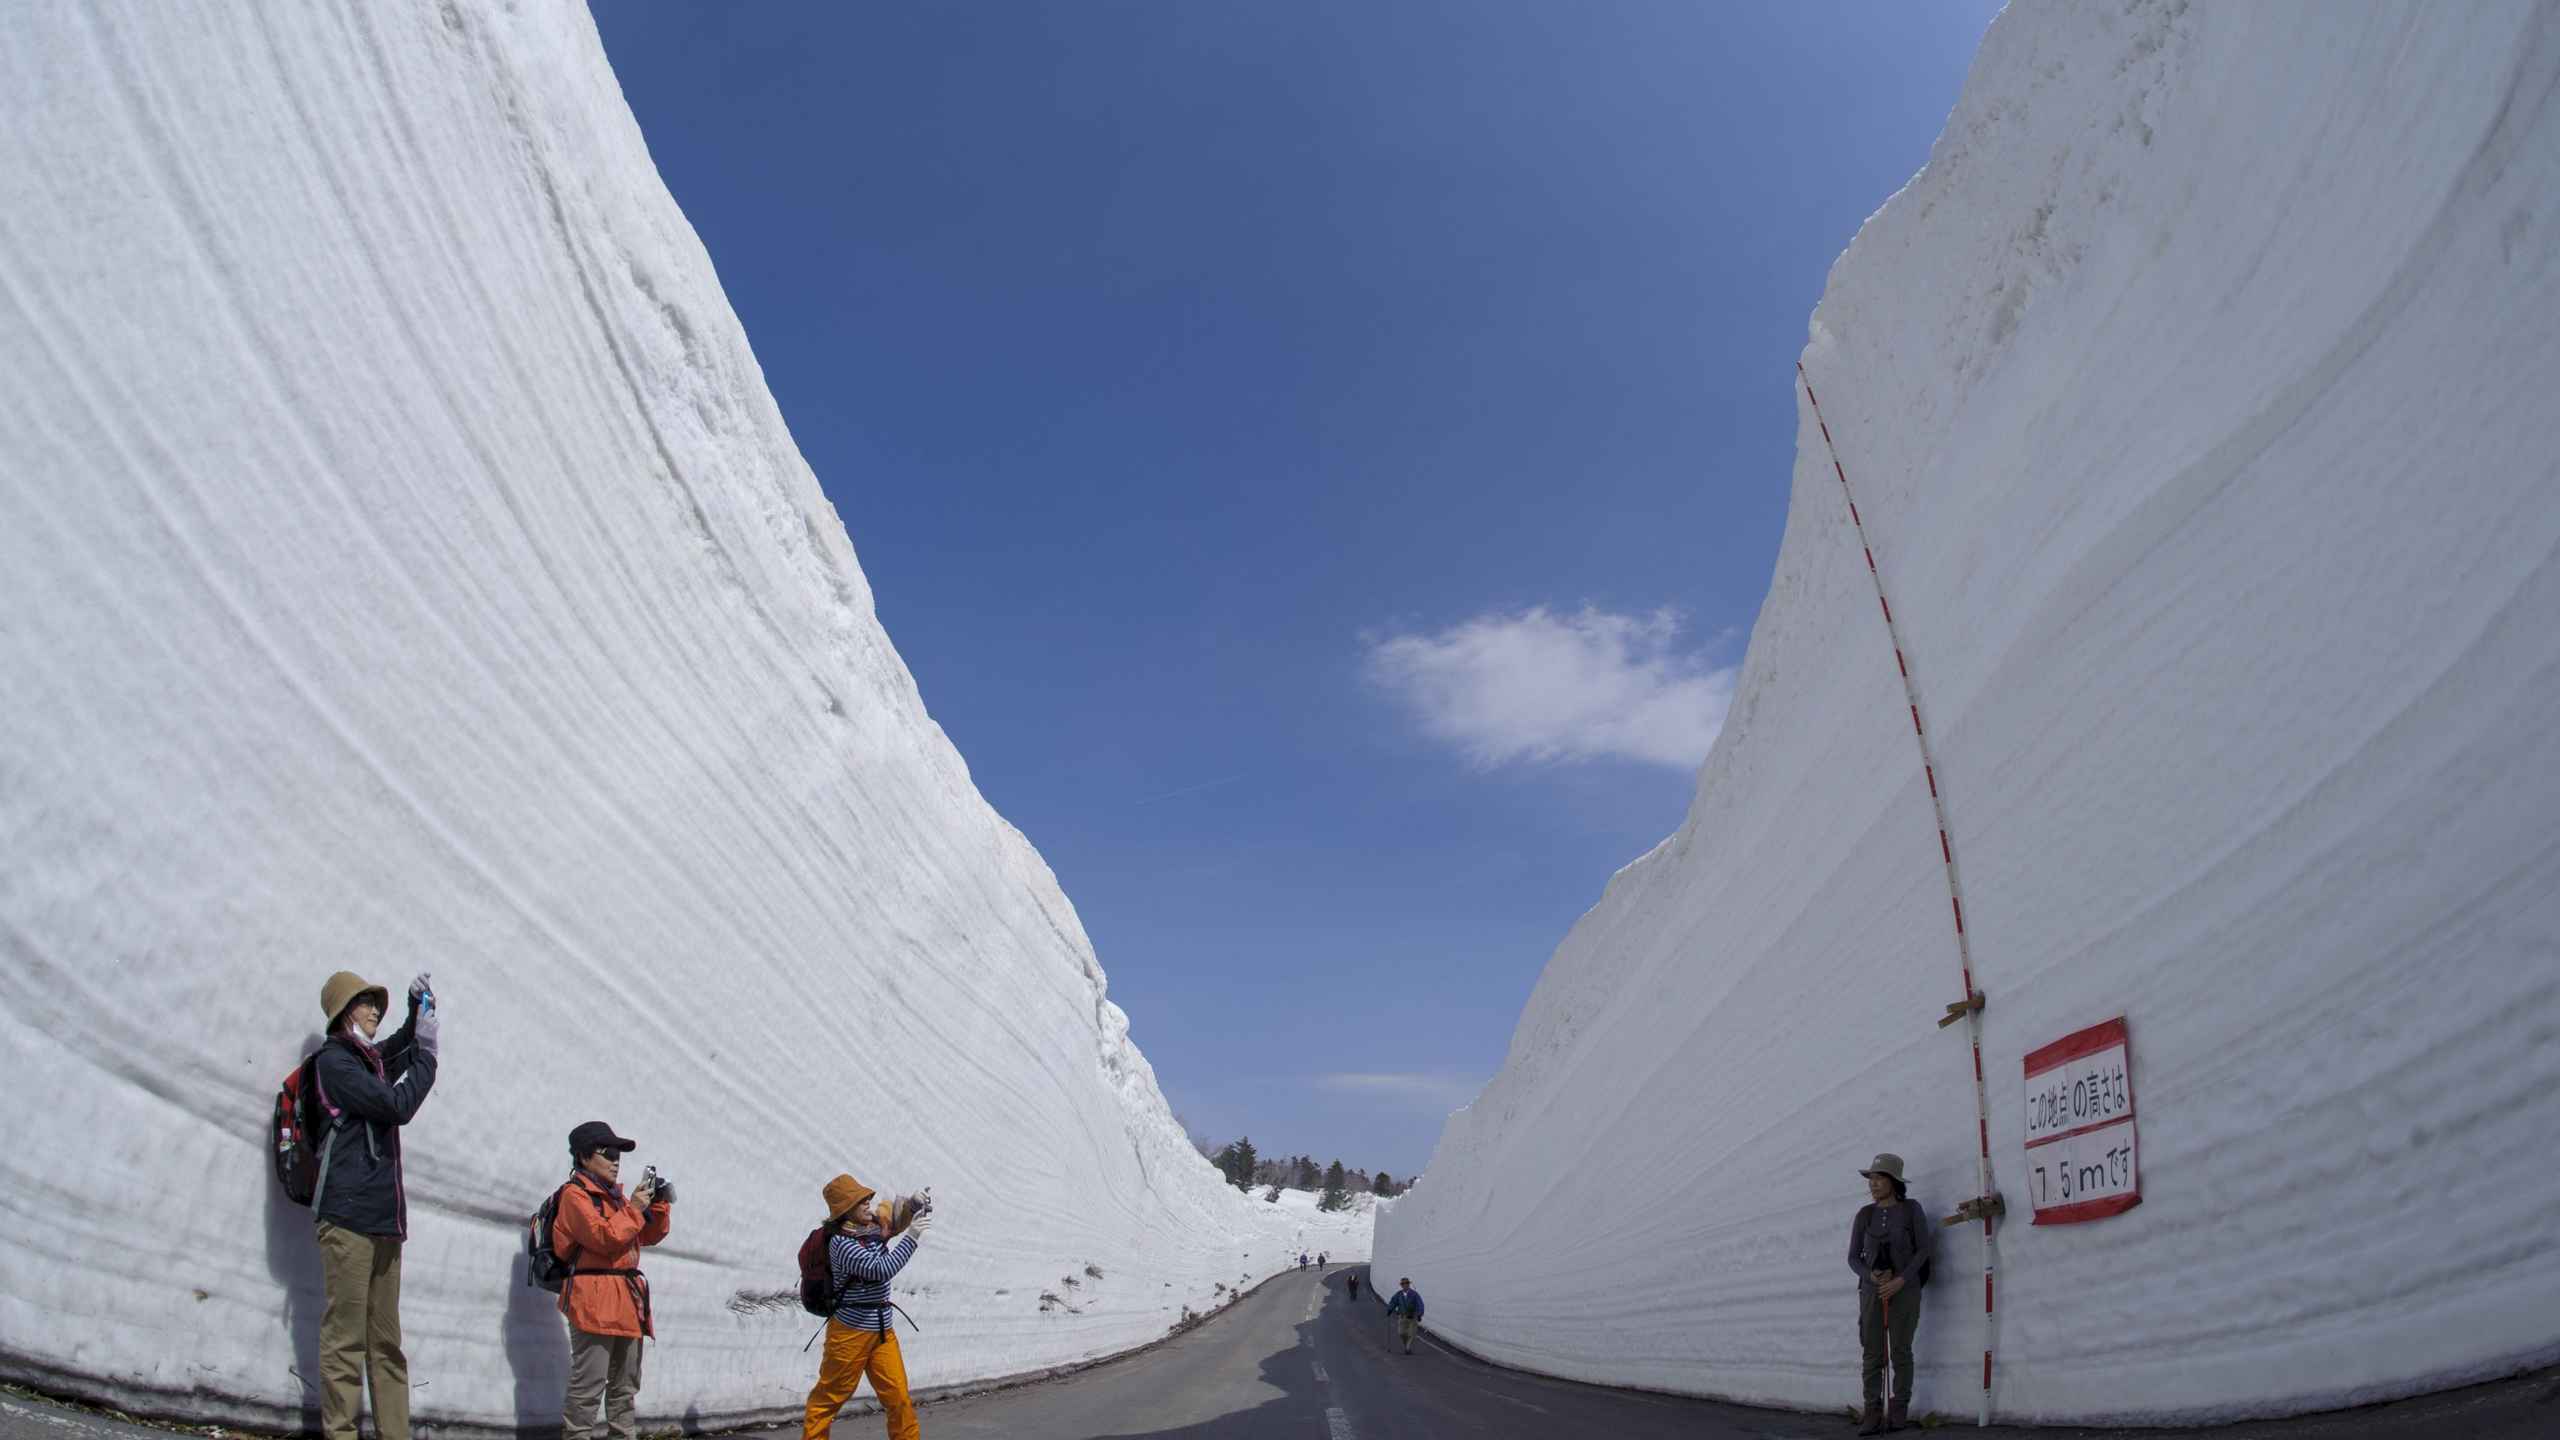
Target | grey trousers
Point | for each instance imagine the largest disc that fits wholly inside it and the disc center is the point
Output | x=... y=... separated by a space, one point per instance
x=606 y=1368
x=1874 y=1339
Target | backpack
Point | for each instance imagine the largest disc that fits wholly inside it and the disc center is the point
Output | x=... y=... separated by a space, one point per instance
x=543 y=1266
x=819 y=1292
x=302 y=1118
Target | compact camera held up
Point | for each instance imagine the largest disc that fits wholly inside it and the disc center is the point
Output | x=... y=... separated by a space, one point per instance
x=658 y=1186
x=904 y=1210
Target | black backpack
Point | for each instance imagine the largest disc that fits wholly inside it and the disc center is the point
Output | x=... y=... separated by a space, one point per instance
x=542 y=1267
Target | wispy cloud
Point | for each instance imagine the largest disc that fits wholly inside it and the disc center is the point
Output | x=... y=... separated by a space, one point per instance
x=1435 y=1092
x=1542 y=687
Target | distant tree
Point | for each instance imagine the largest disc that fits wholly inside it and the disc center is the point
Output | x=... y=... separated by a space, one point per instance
x=1334 y=1197
x=1306 y=1177
x=1384 y=1186
x=1235 y=1160
x=1272 y=1194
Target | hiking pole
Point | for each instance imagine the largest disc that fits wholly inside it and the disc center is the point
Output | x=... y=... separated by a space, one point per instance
x=1884 y=1315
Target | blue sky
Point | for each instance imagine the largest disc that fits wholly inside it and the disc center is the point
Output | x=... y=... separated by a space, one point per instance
x=1320 y=460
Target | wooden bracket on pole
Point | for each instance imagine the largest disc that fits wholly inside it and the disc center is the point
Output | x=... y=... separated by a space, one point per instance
x=1989 y=1207
x=1958 y=1009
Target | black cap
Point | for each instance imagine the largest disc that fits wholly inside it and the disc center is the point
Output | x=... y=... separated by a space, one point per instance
x=597 y=1135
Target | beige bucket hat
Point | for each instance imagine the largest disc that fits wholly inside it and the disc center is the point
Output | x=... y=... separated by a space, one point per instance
x=346 y=988
x=1889 y=1166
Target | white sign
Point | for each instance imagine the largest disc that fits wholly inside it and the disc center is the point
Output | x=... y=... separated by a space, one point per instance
x=2082 y=1161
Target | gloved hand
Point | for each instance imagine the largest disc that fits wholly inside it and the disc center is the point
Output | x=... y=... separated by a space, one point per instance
x=421 y=995
x=916 y=1227
x=426 y=1024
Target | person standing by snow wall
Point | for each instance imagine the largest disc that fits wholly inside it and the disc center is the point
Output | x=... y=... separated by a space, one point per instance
x=860 y=1339
x=1890 y=1244
x=605 y=1297
x=359 y=1208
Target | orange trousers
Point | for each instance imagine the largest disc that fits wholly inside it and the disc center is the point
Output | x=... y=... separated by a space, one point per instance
x=852 y=1354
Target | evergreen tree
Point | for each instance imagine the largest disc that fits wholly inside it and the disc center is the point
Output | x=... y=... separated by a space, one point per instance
x=1306 y=1173
x=1235 y=1161
x=1272 y=1195
x=1334 y=1197
x=1384 y=1187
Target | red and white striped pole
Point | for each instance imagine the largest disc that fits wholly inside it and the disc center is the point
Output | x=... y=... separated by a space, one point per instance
x=1955 y=891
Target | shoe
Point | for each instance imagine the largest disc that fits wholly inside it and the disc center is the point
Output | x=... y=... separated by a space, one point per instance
x=1897 y=1415
x=1871 y=1420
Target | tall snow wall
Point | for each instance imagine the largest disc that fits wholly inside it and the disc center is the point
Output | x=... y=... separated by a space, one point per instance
x=2198 y=400
x=403 y=567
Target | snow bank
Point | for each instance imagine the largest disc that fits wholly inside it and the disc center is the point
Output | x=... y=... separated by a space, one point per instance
x=403 y=567
x=2198 y=397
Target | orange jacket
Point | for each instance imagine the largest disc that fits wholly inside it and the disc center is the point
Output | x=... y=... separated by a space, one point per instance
x=599 y=1230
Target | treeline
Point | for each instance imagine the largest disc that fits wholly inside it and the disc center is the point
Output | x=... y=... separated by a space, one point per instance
x=1245 y=1168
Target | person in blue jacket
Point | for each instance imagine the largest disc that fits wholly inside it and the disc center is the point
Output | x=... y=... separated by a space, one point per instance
x=1406 y=1308
x=359 y=1206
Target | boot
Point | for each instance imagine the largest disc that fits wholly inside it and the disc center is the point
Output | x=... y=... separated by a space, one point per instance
x=1871 y=1420
x=1897 y=1414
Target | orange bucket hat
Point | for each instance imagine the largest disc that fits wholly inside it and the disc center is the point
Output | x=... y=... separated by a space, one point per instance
x=843 y=1193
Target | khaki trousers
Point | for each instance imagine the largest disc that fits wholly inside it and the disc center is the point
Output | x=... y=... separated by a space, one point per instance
x=360 y=1334
x=851 y=1355
x=601 y=1367
x=1405 y=1326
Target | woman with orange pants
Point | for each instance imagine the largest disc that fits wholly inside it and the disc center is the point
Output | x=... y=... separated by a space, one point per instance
x=861 y=1342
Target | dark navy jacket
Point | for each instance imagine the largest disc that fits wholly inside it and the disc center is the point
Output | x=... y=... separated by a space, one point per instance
x=1407 y=1301
x=370 y=1094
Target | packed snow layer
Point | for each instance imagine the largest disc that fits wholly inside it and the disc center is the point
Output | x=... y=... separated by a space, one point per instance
x=403 y=567
x=2198 y=398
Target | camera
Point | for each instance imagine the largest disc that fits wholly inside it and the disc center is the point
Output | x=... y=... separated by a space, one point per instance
x=904 y=1210
x=659 y=1187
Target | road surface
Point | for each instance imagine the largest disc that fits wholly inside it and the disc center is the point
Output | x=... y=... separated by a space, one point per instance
x=1298 y=1360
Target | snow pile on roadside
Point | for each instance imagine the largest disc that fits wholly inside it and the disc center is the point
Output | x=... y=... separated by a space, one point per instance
x=2198 y=401
x=403 y=567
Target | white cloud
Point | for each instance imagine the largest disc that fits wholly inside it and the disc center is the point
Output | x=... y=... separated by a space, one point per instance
x=1436 y=1092
x=1542 y=687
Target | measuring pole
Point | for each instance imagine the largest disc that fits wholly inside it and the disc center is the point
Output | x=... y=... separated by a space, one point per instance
x=1972 y=1005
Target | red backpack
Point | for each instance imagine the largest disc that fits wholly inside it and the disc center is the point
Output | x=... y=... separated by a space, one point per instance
x=819 y=1292
x=302 y=1117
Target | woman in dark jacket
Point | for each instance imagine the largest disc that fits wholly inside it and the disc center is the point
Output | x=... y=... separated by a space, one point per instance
x=359 y=1205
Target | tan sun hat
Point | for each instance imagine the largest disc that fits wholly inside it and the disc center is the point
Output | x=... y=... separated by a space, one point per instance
x=1889 y=1166
x=346 y=988
x=843 y=1193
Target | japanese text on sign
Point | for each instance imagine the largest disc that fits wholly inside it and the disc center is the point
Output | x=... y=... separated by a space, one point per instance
x=2082 y=1162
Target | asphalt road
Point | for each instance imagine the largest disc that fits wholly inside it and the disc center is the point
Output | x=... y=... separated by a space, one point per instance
x=1298 y=1359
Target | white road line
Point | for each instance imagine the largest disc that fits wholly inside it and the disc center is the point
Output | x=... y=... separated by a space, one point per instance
x=1338 y=1425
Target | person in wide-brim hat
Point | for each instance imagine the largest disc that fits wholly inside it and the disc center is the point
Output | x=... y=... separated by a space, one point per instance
x=1890 y=1245
x=861 y=1341
x=367 y=1088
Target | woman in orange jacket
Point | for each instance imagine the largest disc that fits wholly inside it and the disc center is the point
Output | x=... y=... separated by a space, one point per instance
x=606 y=1298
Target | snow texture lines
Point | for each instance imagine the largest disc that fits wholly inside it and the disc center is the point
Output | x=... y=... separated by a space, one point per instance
x=2198 y=390
x=1955 y=888
x=404 y=567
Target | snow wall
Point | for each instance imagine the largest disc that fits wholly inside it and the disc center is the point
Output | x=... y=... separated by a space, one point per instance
x=403 y=567
x=2198 y=399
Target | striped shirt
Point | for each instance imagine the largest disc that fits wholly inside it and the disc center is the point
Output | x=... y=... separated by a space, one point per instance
x=861 y=1265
